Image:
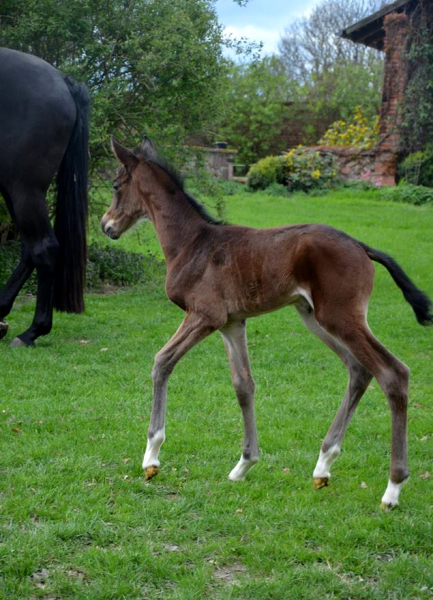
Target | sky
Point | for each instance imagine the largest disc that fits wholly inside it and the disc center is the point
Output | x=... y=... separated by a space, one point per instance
x=262 y=20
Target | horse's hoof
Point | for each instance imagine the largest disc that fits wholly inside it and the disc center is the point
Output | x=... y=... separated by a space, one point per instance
x=319 y=482
x=150 y=472
x=3 y=329
x=16 y=342
x=387 y=507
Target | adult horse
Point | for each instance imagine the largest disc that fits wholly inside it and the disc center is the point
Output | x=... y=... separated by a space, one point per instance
x=220 y=275
x=44 y=131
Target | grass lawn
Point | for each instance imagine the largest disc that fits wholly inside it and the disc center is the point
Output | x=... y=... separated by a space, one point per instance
x=77 y=519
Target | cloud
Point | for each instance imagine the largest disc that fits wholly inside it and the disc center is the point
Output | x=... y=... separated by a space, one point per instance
x=269 y=37
x=260 y=22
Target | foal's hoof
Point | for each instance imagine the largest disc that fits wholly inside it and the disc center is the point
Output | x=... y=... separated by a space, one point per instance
x=387 y=506
x=320 y=482
x=150 y=472
x=3 y=329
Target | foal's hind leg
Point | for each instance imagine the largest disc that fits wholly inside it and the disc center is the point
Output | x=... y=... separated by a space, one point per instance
x=359 y=378
x=234 y=336
x=393 y=377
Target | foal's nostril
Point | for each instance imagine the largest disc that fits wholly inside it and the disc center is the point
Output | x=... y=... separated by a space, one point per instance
x=110 y=232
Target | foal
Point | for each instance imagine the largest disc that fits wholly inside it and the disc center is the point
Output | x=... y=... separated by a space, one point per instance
x=222 y=274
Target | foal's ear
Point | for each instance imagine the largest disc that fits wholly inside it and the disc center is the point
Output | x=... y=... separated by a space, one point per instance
x=123 y=155
x=147 y=148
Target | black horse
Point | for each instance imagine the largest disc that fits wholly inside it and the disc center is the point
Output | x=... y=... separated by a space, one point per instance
x=44 y=131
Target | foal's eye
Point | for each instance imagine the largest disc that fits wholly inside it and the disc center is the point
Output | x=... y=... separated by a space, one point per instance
x=116 y=185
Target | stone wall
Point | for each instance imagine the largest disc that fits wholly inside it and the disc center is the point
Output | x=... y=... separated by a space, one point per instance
x=219 y=161
x=352 y=164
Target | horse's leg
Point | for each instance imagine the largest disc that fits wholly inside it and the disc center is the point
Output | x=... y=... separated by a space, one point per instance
x=359 y=378
x=41 y=243
x=392 y=376
x=44 y=256
x=19 y=276
x=235 y=342
x=13 y=286
x=192 y=330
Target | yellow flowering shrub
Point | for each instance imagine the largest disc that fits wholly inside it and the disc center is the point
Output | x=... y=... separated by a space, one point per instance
x=307 y=169
x=357 y=133
x=299 y=169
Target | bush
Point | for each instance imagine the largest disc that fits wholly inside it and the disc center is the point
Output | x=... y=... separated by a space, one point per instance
x=265 y=172
x=231 y=188
x=277 y=190
x=300 y=169
x=417 y=168
x=105 y=266
x=10 y=254
x=406 y=192
x=115 y=266
x=306 y=170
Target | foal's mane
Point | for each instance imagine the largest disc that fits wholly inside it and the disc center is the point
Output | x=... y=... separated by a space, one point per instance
x=178 y=181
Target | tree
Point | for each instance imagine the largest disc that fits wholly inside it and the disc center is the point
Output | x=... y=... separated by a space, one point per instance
x=255 y=100
x=313 y=45
x=152 y=66
x=333 y=75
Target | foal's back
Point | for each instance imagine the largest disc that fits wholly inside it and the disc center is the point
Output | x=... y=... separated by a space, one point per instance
x=254 y=271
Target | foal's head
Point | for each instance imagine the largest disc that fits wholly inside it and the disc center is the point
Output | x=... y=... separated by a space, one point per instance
x=134 y=184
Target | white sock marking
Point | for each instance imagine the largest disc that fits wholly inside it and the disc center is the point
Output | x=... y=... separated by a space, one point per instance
x=242 y=468
x=392 y=492
x=325 y=461
x=152 y=449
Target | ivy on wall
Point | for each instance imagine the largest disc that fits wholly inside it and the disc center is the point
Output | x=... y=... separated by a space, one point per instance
x=417 y=123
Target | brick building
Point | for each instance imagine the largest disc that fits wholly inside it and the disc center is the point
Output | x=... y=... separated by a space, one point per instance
x=388 y=30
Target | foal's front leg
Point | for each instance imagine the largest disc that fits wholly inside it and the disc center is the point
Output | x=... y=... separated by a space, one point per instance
x=193 y=329
x=235 y=341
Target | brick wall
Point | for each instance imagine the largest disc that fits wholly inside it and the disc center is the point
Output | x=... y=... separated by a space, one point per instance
x=397 y=29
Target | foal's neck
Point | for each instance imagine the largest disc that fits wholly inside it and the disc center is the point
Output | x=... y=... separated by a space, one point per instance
x=177 y=223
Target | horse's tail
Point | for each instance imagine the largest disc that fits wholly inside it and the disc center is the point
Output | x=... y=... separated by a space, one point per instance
x=71 y=209
x=419 y=301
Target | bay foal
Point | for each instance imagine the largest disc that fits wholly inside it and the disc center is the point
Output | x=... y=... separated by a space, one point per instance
x=220 y=275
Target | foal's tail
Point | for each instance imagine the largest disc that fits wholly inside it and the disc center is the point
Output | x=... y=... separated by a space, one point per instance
x=419 y=301
x=71 y=209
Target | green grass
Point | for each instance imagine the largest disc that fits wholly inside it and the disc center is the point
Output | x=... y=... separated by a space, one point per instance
x=79 y=522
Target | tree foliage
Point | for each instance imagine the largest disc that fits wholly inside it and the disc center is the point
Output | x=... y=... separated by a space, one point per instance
x=334 y=75
x=255 y=108
x=152 y=66
x=313 y=45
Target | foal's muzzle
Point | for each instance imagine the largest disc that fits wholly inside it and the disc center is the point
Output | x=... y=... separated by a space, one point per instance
x=111 y=233
x=108 y=228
